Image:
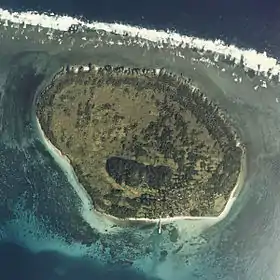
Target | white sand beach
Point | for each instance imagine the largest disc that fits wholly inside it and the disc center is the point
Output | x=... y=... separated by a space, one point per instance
x=104 y=220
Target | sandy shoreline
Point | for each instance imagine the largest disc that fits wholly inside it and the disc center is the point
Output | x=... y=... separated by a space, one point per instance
x=88 y=204
x=233 y=195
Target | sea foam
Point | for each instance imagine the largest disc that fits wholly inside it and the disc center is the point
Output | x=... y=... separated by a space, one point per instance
x=250 y=58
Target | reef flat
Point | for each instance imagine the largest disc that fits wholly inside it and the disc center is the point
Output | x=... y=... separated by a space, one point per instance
x=143 y=142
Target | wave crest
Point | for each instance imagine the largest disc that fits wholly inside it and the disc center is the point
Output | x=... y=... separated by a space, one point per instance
x=250 y=58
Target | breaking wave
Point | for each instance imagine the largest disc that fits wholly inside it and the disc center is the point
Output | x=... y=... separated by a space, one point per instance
x=251 y=59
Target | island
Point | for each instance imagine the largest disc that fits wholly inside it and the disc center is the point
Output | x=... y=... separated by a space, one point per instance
x=144 y=143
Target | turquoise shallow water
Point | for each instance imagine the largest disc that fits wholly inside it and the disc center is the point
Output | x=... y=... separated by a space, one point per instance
x=40 y=211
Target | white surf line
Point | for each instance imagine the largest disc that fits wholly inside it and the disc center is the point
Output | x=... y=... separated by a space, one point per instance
x=258 y=62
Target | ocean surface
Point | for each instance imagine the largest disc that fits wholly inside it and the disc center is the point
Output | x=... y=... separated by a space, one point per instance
x=249 y=23
x=47 y=229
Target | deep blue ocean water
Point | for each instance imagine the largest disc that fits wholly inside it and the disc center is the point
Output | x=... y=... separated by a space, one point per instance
x=253 y=24
x=249 y=23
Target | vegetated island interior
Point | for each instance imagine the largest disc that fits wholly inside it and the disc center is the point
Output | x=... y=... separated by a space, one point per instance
x=143 y=144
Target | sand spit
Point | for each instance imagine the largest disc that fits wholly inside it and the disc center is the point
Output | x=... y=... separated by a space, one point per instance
x=87 y=211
